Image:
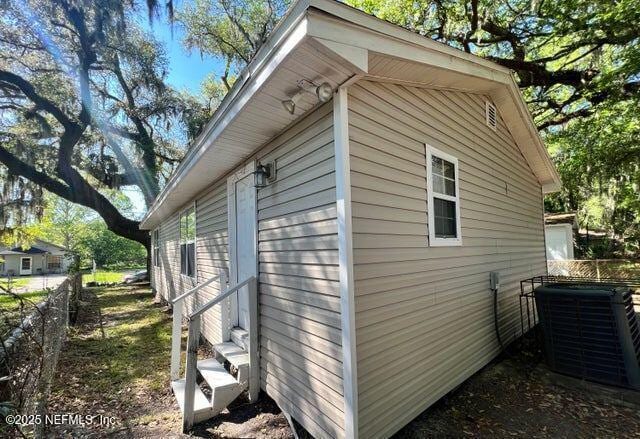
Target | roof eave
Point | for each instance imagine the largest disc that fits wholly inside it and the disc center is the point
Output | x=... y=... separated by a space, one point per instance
x=299 y=24
x=240 y=90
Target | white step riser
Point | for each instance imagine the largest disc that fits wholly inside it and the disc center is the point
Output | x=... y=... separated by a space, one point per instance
x=239 y=336
x=243 y=370
x=202 y=408
x=222 y=397
x=224 y=387
x=235 y=355
x=238 y=339
x=243 y=376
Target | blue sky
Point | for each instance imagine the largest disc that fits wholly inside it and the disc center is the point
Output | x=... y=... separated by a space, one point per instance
x=186 y=71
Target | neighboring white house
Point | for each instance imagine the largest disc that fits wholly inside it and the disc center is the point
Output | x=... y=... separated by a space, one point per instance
x=364 y=180
x=559 y=236
x=41 y=258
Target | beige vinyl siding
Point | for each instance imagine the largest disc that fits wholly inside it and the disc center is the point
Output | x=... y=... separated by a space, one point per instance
x=300 y=335
x=424 y=315
x=301 y=355
x=211 y=257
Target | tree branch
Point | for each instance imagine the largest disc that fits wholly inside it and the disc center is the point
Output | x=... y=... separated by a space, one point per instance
x=18 y=167
x=41 y=102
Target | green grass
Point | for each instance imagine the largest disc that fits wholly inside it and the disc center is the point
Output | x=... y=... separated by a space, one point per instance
x=136 y=350
x=116 y=362
x=104 y=276
x=14 y=308
x=122 y=348
x=16 y=282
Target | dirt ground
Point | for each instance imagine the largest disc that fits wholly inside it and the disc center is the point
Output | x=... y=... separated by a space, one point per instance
x=116 y=364
x=516 y=396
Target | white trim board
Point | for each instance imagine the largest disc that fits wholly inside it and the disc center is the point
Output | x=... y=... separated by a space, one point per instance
x=434 y=241
x=345 y=257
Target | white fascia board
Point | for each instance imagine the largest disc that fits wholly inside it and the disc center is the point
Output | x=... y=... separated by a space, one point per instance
x=355 y=28
x=552 y=181
x=381 y=36
x=268 y=59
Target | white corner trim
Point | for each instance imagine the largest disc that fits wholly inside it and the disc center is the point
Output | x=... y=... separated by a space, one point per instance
x=345 y=257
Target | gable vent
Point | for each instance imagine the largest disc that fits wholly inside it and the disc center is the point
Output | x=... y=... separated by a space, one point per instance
x=492 y=115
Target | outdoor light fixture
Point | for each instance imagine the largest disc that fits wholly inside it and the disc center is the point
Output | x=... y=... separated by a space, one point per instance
x=290 y=104
x=323 y=92
x=263 y=174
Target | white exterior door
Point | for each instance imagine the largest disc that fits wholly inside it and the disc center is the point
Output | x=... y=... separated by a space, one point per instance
x=25 y=266
x=242 y=240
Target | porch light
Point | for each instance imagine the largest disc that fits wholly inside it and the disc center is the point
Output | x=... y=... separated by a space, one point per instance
x=262 y=174
x=323 y=93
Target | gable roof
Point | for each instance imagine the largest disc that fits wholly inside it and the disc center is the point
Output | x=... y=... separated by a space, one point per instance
x=327 y=41
x=33 y=249
x=30 y=251
x=44 y=243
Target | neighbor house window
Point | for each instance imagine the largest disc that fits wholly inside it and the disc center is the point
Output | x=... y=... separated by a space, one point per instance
x=187 y=242
x=443 y=198
x=156 y=248
x=54 y=262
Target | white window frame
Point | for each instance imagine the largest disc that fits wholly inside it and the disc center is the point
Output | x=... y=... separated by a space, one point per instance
x=434 y=241
x=156 y=247
x=195 y=238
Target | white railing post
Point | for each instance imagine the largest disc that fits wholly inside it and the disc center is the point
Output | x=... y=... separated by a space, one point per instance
x=176 y=330
x=176 y=340
x=225 y=323
x=254 y=355
x=190 y=373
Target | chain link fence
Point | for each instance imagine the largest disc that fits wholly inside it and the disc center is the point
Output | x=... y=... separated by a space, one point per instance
x=29 y=356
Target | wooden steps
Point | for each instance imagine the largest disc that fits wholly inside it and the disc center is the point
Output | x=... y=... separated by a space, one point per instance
x=225 y=388
x=215 y=374
x=237 y=357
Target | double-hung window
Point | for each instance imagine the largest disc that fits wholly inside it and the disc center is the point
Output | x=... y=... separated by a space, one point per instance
x=188 y=242
x=54 y=262
x=156 y=248
x=443 y=198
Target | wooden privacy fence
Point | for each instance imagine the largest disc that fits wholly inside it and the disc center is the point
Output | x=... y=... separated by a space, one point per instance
x=596 y=268
x=29 y=356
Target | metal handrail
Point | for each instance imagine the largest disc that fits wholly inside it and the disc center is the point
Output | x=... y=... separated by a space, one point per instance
x=194 y=289
x=219 y=298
